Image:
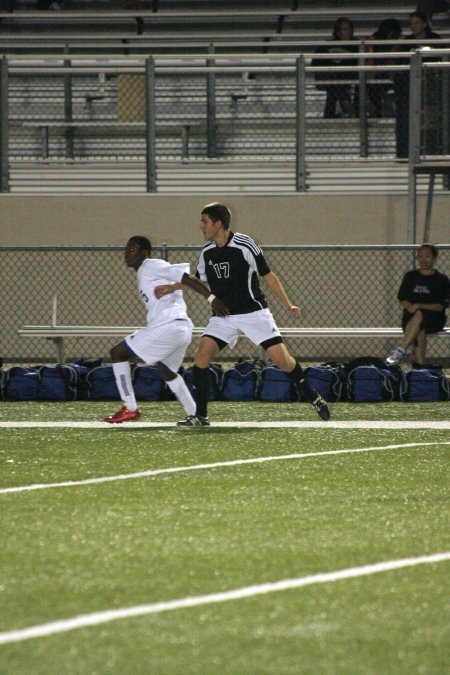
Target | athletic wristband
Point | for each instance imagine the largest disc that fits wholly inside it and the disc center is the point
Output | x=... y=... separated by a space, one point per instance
x=211 y=298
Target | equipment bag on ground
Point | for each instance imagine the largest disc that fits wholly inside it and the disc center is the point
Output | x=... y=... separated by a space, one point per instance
x=373 y=383
x=20 y=384
x=57 y=383
x=101 y=384
x=426 y=383
x=241 y=382
x=276 y=386
x=148 y=384
x=329 y=380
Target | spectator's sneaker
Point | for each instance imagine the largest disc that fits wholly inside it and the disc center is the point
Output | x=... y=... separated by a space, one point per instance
x=321 y=407
x=194 y=421
x=396 y=356
x=124 y=415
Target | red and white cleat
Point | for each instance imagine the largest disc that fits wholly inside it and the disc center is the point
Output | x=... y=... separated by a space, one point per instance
x=124 y=415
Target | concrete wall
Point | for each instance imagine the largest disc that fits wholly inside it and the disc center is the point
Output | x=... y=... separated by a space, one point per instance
x=302 y=219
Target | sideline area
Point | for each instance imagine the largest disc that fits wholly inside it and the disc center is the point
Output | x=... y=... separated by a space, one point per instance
x=287 y=424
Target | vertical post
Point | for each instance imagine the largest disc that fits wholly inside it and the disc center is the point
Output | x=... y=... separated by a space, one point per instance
x=426 y=227
x=150 y=124
x=211 y=143
x=4 y=144
x=446 y=117
x=55 y=310
x=68 y=111
x=414 y=141
x=362 y=105
x=300 y=109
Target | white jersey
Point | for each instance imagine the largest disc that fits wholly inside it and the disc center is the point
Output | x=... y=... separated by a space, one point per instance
x=154 y=272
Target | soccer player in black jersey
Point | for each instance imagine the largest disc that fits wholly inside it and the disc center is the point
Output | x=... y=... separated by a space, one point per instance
x=231 y=264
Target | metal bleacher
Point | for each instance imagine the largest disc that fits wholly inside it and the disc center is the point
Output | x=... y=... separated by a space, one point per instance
x=166 y=25
x=183 y=28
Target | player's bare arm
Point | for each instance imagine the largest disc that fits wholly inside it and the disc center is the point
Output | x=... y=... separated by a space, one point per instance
x=188 y=281
x=277 y=288
x=166 y=289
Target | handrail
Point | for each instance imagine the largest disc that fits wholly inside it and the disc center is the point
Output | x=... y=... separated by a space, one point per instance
x=201 y=63
x=83 y=14
x=196 y=70
x=219 y=59
x=225 y=40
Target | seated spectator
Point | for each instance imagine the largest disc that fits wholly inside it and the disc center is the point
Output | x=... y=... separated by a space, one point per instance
x=424 y=296
x=420 y=29
x=389 y=29
x=341 y=100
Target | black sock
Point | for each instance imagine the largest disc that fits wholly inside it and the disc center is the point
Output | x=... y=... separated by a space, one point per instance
x=298 y=377
x=200 y=382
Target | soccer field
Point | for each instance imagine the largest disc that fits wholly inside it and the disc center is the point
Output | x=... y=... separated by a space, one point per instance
x=270 y=543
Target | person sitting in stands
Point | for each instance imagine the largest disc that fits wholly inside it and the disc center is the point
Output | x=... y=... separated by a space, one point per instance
x=389 y=29
x=340 y=101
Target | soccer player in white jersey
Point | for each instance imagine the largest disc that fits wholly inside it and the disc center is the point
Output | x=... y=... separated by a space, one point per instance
x=231 y=264
x=163 y=342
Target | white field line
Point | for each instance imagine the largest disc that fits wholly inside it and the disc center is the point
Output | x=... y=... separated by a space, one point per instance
x=96 y=618
x=289 y=424
x=213 y=465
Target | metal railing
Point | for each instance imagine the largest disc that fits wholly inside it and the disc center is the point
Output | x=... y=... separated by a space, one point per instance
x=352 y=286
x=121 y=109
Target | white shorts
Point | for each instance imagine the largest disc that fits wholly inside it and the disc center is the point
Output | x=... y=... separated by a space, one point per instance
x=257 y=326
x=166 y=343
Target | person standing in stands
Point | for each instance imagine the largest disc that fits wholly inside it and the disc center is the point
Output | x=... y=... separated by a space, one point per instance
x=430 y=7
x=340 y=101
x=231 y=264
x=421 y=36
x=424 y=295
x=163 y=342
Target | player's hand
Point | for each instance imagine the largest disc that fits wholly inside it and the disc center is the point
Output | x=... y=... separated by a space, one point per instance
x=295 y=312
x=219 y=308
x=162 y=290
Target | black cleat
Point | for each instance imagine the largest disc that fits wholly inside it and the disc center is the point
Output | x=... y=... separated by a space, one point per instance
x=194 y=421
x=321 y=407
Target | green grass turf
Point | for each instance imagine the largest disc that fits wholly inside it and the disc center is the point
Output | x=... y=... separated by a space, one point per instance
x=75 y=550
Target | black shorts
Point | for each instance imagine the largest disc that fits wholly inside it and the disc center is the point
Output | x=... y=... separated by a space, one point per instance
x=432 y=322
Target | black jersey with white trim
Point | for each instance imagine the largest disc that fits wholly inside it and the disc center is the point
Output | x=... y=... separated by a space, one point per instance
x=232 y=272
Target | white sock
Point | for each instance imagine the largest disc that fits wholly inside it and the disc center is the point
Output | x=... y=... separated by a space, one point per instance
x=122 y=373
x=179 y=388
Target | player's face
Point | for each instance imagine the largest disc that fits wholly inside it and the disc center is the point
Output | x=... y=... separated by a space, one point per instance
x=133 y=254
x=425 y=259
x=210 y=230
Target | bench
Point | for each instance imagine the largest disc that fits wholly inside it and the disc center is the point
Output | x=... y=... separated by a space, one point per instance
x=58 y=333
x=105 y=127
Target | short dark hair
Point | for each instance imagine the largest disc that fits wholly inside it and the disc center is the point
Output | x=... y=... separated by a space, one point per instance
x=143 y=242
x=420 y=15
x=388 y=28
x=337 y=26
x=431 y=247
x=218 y=211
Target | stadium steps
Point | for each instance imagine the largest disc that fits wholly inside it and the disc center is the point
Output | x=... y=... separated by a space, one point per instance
x=198 y=176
